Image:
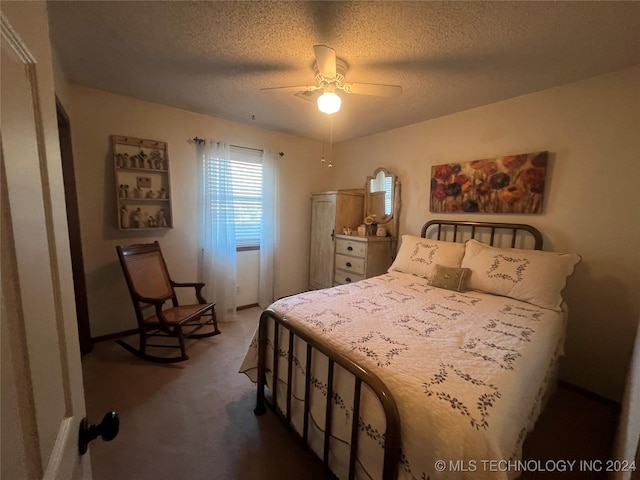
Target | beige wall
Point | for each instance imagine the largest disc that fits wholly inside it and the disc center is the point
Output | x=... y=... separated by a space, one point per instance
x=592 y=131
x=95 y=115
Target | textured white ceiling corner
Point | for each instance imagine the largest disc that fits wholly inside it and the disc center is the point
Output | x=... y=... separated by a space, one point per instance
x=215 y=57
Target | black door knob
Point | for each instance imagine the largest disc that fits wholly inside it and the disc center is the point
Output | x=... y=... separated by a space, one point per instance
x=107 y=429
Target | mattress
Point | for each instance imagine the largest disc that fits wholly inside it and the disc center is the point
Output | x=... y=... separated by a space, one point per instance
x=468 y=371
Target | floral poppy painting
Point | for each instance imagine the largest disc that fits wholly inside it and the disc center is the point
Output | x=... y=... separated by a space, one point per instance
x=511 y=184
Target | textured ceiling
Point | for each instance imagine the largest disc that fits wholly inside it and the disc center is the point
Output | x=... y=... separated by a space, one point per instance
x=214 y=57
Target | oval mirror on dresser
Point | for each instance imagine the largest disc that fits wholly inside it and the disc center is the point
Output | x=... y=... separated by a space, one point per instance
x=379 y=196
x=382 y=199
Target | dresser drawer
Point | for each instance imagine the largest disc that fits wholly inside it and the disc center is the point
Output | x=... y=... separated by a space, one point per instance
x=347 y=247
x=352 y=264
x=343 y=277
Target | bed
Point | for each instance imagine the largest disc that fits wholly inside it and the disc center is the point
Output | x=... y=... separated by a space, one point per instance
x=437 y=369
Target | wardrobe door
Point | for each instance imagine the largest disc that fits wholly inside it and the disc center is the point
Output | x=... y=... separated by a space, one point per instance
x=323 y=224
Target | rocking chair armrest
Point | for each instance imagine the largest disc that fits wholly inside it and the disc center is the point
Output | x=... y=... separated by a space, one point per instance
x=187 y=284
x=198 y=287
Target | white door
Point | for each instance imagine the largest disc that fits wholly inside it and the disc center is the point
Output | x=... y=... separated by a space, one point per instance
x=42 y=394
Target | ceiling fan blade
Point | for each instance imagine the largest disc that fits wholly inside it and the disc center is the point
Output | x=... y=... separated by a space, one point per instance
x=325 y=60
x=372 y=89
x=310 y=95
x=298 y=88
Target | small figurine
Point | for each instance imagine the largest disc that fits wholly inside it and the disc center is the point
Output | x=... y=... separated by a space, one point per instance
x=137 y=218
x=126 y=191
x=138 y=160
x=160 y=220
x=121 y=191
x=125 y=221
x=151 y=221
x=151 y=194
x=156 y=158
x=136 y=193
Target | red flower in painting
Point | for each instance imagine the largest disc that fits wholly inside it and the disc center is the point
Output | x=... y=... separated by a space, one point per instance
x=439 y=192
x=484 y=188
x=533 y=175
x=443 y=172
x=536 y=187
x=539 y=159
x=461 y=179
x=489 y=168
x=514 y=162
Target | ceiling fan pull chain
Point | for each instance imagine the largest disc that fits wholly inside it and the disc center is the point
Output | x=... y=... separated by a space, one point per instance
x=330 y=142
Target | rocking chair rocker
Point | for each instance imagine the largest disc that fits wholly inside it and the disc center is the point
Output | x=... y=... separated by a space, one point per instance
x=151 y=286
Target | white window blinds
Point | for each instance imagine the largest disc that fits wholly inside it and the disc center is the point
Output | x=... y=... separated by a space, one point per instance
x=387 y=195
x=246 y=181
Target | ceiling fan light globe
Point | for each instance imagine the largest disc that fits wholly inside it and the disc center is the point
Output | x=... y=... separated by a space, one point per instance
x=329 y=103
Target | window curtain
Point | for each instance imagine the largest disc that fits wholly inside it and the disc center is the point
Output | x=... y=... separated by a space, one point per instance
x=269 y=230
x=217 y=239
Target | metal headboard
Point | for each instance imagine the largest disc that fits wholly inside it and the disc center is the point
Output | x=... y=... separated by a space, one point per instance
x=516 y=230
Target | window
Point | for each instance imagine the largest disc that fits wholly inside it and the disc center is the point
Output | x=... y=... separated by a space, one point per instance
x=239 y=204
x=387 y=195
x=246 y=181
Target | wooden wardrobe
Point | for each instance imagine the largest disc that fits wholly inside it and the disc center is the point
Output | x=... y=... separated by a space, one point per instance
x=331 y=212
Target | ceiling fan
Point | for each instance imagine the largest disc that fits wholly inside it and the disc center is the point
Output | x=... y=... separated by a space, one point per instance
x=330 y=76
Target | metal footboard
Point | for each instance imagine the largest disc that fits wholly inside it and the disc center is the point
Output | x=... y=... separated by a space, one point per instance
x=361 y=374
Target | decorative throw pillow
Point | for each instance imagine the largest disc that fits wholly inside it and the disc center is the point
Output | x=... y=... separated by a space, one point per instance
x=532 y=276
x=419 y=256
x=451 y=278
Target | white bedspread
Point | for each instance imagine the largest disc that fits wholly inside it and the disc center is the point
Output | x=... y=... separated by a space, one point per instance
x=467 y=371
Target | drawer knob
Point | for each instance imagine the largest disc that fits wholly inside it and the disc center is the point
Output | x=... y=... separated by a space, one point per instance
x=348 y=280
x=348 y=264
x=349 y=248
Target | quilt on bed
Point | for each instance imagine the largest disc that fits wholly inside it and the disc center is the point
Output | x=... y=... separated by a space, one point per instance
x=467 y=370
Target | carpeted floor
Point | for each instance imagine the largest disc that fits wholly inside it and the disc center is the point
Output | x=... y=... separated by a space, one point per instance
x=194 y=420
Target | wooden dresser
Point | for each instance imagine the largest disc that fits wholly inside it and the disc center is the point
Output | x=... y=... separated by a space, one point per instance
x=358 y=258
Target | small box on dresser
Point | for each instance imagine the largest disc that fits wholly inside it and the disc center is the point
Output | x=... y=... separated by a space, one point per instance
x=358 y=258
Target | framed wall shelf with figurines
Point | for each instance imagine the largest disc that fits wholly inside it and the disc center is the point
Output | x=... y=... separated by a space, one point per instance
x=143 y=186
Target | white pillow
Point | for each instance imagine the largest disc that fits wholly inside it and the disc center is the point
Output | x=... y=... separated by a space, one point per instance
x=532 y=276
x=419 y=256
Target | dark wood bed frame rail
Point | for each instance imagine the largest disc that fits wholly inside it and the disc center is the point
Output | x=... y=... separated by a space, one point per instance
x=361 y=374
x=491 y=226
x=392 y=448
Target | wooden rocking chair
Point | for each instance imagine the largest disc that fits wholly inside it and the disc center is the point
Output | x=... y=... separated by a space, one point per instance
x=151 y=286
